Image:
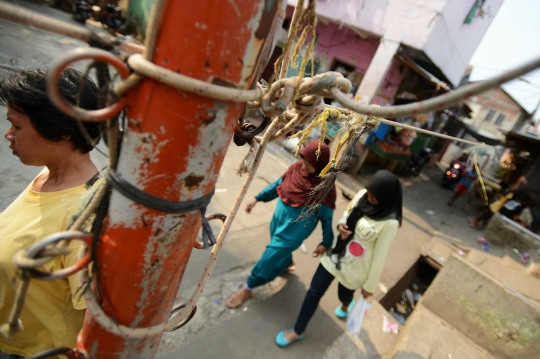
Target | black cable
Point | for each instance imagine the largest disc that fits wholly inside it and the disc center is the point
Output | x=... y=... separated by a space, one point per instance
x=150 y=201
x=145 y=199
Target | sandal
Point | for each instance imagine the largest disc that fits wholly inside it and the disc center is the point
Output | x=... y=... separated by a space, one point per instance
x=282 y=342
x=340 y=313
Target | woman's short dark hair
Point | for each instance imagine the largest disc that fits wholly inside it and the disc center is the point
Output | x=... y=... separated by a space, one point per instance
x=26 y=91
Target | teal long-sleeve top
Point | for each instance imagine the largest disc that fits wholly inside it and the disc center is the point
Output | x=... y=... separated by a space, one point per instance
x=286 y=230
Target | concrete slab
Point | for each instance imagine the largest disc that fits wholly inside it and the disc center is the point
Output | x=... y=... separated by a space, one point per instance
x=484 y=310
x=427 y=336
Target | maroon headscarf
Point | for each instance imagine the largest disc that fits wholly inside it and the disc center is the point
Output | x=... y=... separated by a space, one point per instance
x=297 y=183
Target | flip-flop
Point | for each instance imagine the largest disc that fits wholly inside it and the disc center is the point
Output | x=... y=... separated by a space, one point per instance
x=282 y=342
x=340 y=313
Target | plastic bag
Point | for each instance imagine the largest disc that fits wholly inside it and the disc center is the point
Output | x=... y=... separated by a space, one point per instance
x=355 y=318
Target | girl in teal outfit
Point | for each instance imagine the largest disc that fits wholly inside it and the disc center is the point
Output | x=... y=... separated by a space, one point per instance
x=286 y=231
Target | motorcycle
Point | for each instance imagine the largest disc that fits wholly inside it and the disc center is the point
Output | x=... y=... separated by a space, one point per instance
x=453 y=174
x=112 y=18
x=416 y=162
x=82 y=11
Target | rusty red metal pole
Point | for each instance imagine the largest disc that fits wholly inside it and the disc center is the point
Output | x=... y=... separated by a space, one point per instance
x=173 y=148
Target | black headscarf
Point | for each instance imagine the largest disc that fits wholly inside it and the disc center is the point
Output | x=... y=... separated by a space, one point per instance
x=386 y=188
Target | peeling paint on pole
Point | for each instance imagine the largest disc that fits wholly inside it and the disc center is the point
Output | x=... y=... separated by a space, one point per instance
x=173 y=148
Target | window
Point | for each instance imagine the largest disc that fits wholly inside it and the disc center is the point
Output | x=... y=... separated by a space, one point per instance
x=490 y=115
x=500 y=119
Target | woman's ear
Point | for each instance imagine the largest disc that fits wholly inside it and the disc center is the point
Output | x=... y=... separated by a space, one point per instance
x=65 y=138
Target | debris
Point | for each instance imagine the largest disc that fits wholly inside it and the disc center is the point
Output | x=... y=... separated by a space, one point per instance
x=429 y=212
x=245 y=309
x=232 y=311
x=220 y=190
x=388 y=327
x=401 y=307
x=482 y=240
x=525 y=257
x=460 y=252
x=516 y=251
x=486 y=247
x=400 y=318
x=410 y=297
x=218 y=301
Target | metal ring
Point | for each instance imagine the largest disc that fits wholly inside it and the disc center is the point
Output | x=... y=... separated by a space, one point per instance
x=34 y=251
x=220 y=216
x=68 y=352
x=250 y=134
x=177 y=308
x=64 y=61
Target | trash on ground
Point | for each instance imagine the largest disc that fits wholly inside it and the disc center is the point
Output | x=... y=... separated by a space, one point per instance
x=220 y=190
x=218 y=301
x=460 y=252
x=525 y=257
x=388 y=327
x=429 y=212
x=232 y=311
x=410 y=297
x=400 y=318
x=245 y=309
x=486 y=247
x=482 y=240
x=402 y=309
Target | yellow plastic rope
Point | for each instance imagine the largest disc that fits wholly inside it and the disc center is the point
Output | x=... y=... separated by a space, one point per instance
x=342 y=141
x=320 y=120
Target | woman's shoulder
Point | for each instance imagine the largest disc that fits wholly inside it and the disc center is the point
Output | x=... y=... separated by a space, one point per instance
x=383 y=223
x=358 y=195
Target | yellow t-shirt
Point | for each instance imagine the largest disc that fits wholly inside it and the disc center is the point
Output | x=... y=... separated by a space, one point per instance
x=53 y=312
x=362 y=265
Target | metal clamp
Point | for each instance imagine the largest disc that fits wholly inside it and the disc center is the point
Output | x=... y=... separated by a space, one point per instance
x=71 y=110
x=208 y=230
x=177 y=308
x=68 y=352
x=35 y=250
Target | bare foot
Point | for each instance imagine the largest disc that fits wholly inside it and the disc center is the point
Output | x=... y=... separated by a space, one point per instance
x=238 y=298
x=291 y=336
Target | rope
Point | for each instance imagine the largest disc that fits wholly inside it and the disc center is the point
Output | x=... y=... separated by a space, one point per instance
x=436 y=103
x=185 y=83
x=296 y=99
x=269 y=134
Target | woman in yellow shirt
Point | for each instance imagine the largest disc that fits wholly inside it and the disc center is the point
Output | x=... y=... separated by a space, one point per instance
x=357 y=257
x=41 y=135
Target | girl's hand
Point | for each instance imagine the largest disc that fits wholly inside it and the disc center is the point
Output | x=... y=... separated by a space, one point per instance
x=344 y=231
x=365 y=294
x=319 y=251
x=250 y=204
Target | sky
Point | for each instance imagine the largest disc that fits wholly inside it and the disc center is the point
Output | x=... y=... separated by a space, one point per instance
x=512 y=39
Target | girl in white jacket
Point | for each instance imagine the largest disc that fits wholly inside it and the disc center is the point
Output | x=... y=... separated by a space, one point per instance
x=357 y=256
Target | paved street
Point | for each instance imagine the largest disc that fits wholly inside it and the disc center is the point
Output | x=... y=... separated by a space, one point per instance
x=248 y=333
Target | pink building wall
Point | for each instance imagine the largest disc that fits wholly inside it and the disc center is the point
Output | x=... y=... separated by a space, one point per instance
x=343 y=44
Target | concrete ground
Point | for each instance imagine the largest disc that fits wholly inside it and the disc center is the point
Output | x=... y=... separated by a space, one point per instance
x=249 y=332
